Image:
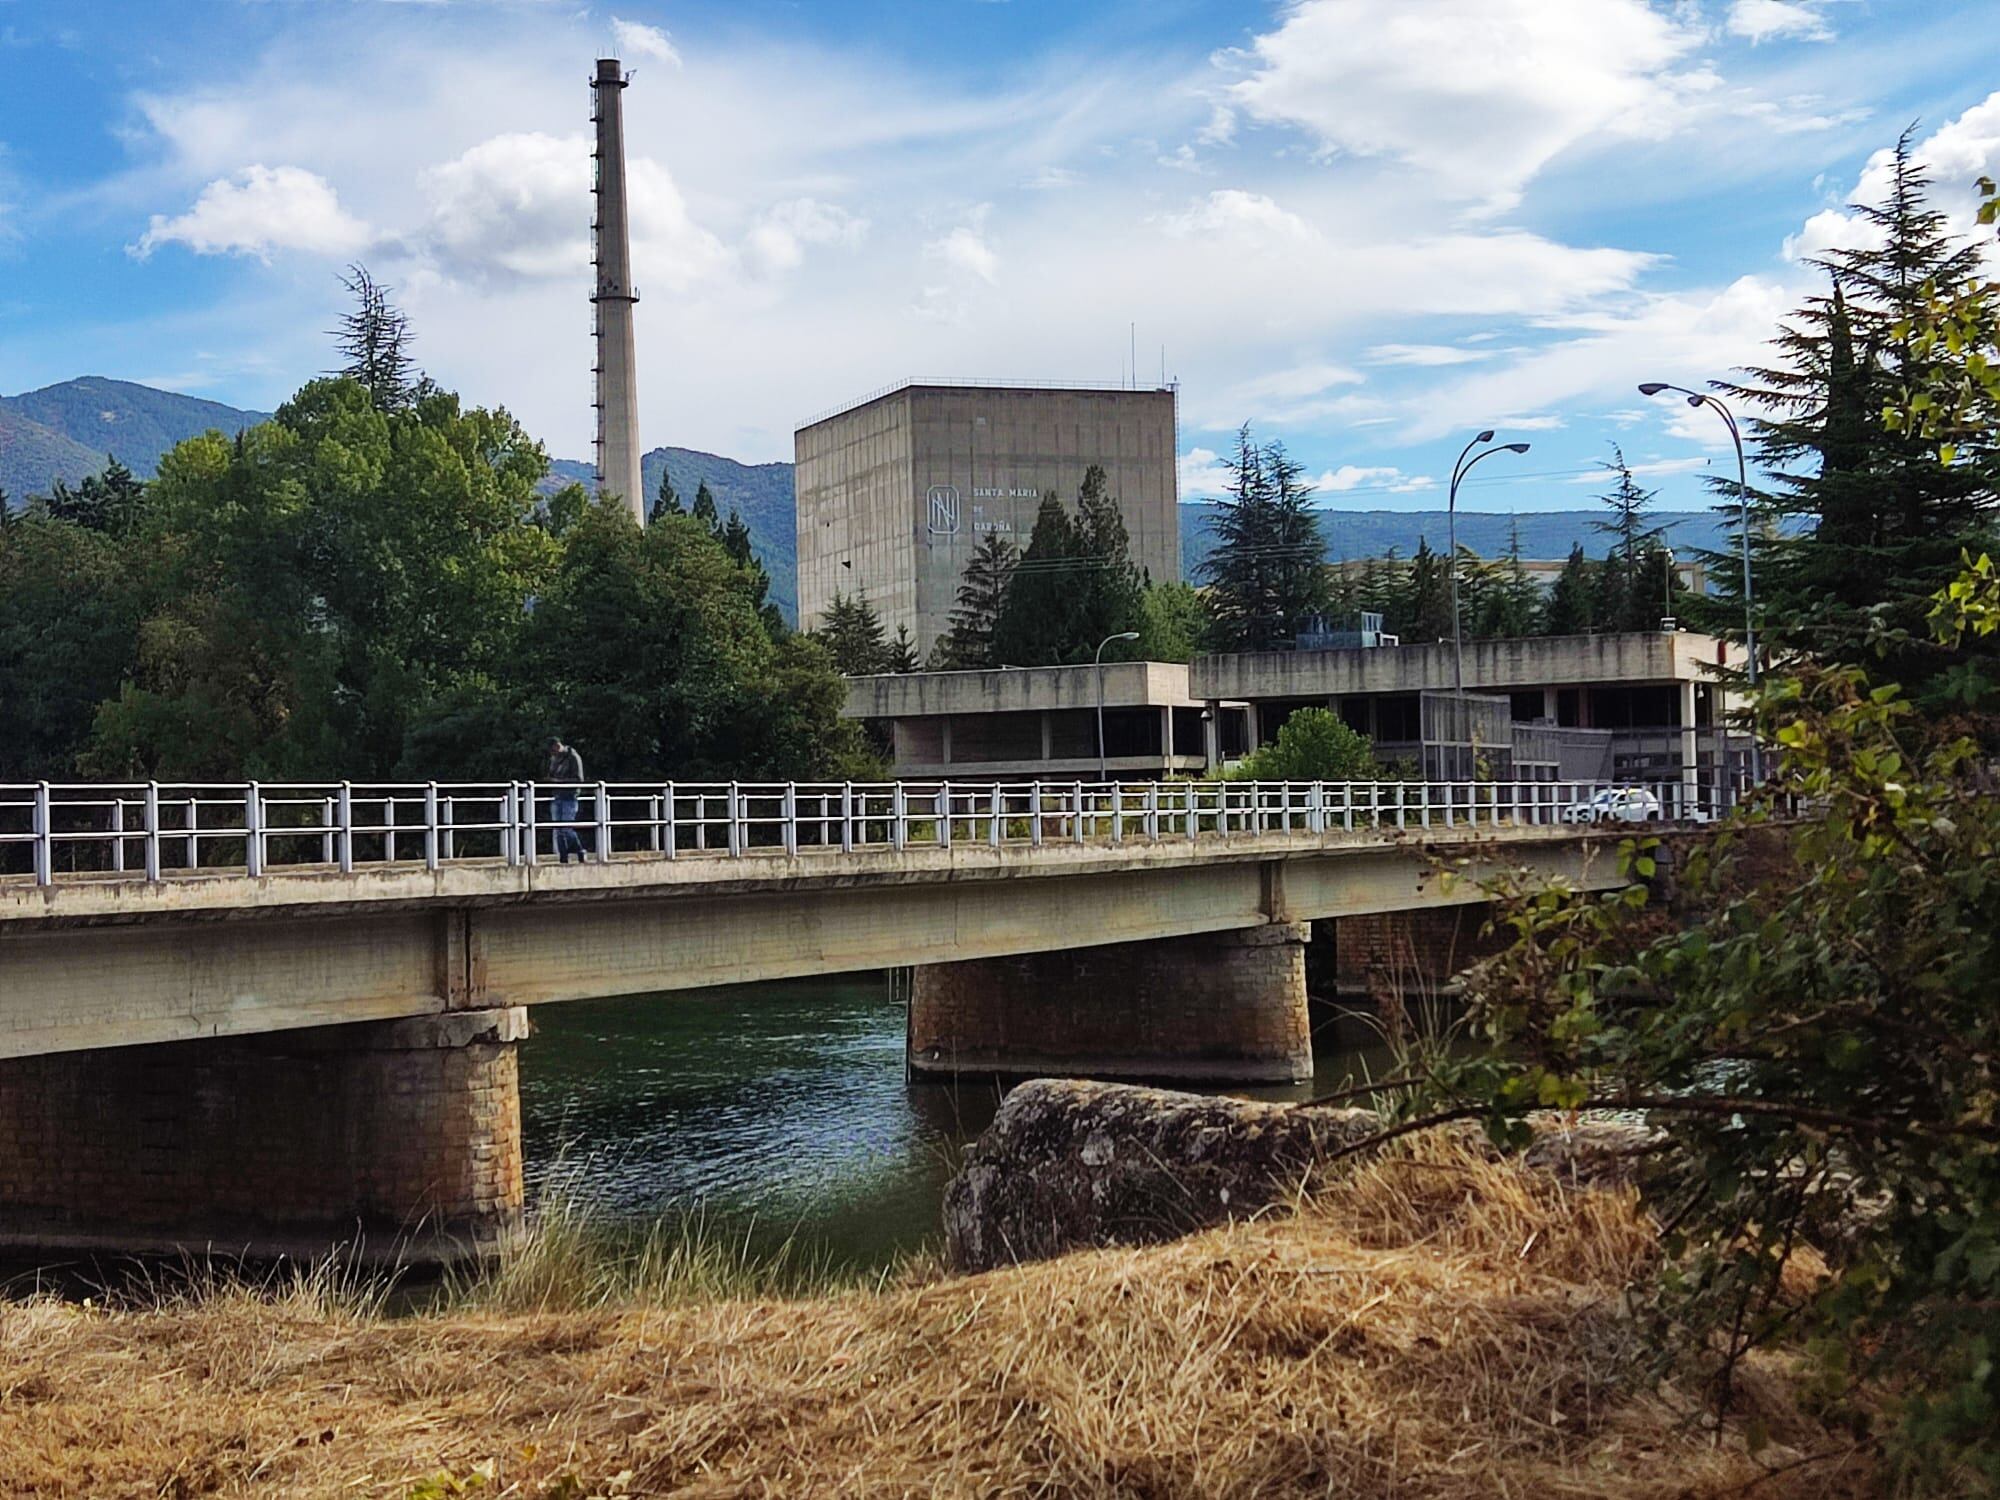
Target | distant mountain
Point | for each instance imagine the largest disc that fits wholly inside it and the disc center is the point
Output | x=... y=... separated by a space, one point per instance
x=66 y=431
x=760 y=493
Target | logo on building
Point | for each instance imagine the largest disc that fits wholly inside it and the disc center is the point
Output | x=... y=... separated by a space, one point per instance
x=942 y=501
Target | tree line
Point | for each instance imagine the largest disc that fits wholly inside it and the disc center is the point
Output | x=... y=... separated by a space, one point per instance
x=371 y=585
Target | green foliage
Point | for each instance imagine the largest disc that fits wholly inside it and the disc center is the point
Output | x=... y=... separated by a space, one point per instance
x=1890 y=512
x=851 y=632
x=1823 y=1045
x=1267 y=572
x=110 y=500
x=373 y=341
x=1075 y=584
x=1312 y=745
x=1173 y=626
x=982 y=591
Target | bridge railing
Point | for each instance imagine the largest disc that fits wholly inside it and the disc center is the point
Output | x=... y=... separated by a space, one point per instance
x=166 y=830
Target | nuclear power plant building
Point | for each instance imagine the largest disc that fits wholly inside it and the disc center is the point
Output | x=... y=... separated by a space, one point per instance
x=896 y=490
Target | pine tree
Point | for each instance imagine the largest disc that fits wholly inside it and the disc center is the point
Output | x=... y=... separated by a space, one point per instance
x=1110 y=591
x=1038 y=619
x=1569 y=607
x=666 y=502
x=1267 y=570
x=1625 y=597
x=1299 y=564
x=982 y=590
x=851 y=631
x=736 y=542
x=109 y=501
x=705 y=511
x=1424 y=602
x=1510 y=604
x=1884 y=518
x=901 y=654
x=374 y=341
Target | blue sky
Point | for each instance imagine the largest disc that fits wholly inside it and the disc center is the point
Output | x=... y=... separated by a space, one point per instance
x=1369 y=227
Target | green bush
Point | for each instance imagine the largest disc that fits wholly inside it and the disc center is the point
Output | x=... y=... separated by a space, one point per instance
x=1313 y=745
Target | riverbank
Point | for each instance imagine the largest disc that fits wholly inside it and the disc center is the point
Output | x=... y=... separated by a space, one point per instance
x=1433 y=1325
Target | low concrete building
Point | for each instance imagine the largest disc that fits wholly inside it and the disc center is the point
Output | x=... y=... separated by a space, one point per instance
x=1023 y=722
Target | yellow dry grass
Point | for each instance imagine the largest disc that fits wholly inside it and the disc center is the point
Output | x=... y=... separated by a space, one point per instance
x=1433 y=1325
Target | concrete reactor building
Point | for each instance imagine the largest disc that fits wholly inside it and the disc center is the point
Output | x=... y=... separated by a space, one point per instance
x=894 y=491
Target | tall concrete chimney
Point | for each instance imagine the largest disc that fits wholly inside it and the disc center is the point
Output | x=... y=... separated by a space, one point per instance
x=617 y=392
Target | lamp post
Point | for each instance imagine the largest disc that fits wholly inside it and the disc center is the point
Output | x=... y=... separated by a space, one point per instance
x=1098 y=662
x=1700 y=399
x=1458 y=471
x=1669 y=586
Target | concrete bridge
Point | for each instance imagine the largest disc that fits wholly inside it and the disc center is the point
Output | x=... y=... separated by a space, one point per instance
x=265 y=1017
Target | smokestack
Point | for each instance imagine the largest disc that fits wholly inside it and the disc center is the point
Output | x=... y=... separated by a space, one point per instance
x=617 y=392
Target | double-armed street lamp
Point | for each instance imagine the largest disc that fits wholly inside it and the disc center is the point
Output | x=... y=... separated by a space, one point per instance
x=1458 y=471
x=1700 y=399
x=1098 y=661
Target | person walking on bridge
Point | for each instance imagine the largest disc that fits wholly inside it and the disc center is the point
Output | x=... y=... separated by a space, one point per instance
x=565 y=774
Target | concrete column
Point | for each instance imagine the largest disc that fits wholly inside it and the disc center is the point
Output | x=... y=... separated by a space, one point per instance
x=1225 y=1007
x=1690 y=788
x=391 y=1137
x=1167 y=739
x=1211 y=736
x=1408 y=953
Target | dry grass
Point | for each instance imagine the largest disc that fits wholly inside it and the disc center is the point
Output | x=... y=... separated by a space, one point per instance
x=1434 y=1325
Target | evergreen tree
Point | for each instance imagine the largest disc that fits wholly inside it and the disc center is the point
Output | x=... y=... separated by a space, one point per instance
x=1267 y=571
x=1038 y=619
x=665 y=502
x=982 y=590
x=1886 y=516
x=1568 y=609
x=109 y=501
x=1110 y=592
x=851 y=632
x=901 y=654
x=374 y=341
x=705 y=511
x=1510 y=604
x=1173 y=623
x=1424 y=599
x=1626 y=598
x=6 y=509
x=736 y=542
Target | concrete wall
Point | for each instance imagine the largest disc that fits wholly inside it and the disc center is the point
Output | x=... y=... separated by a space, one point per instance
x=864 y=477
x=908 y=695
x=1230 y=1007
x=1620 y=659
x=404 y=1132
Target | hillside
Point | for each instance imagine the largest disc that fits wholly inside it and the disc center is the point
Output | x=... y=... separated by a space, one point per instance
x=92 y=417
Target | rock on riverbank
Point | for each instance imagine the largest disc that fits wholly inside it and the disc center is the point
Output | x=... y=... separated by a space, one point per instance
x=1067 y=1164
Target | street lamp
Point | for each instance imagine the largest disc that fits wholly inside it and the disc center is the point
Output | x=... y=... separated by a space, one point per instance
x=1699 y=399
x=1098 y=660
x=1669 y=587
x=1458 y=471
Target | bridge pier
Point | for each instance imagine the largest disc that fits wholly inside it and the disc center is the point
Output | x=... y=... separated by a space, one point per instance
x=397 y=1138
x=1391 y=955
x=1225 y=1007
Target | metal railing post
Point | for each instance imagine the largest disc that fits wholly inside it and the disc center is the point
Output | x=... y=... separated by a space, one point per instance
x=669 y=838
x=943 y=804
x=847 y=817
x=1035 y=816
x=530 y=833
x=603 y=824
x=899 y=831
x=1079 y=812
x=735 y=810
x=45 y=848
x=344 y=839
x=253 y=830
x=1153 y=811
x=118 y=832
x=1117 y=812
x=1316 y=808
x=432 y=837
x=792 y=819
x=152 y=830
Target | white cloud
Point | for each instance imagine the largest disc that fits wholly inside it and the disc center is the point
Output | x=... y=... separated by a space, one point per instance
x=636 y=39
x=1252 y=219
x=1768 y=20
x=1478 y=95
x=518 y=206
x=965 y=249
x=1049 y=179
x=1348 y=476
x=1424 y=355
x=1546 y=421
x=1202 y=475
x=779 y=240
x=1653 y=467
x=257 y=211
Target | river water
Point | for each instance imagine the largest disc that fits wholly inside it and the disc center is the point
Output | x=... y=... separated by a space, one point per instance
x=780 y=1109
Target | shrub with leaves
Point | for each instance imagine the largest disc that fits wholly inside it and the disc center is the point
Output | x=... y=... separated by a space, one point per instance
x=1820 y=1043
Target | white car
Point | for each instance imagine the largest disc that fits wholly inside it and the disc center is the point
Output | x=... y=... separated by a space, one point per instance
x=1615 y=804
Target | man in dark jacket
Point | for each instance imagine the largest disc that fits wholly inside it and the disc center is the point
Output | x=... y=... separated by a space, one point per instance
x=564 y=772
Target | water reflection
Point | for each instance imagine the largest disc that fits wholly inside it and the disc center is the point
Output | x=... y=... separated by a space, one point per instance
x=782 y=1107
